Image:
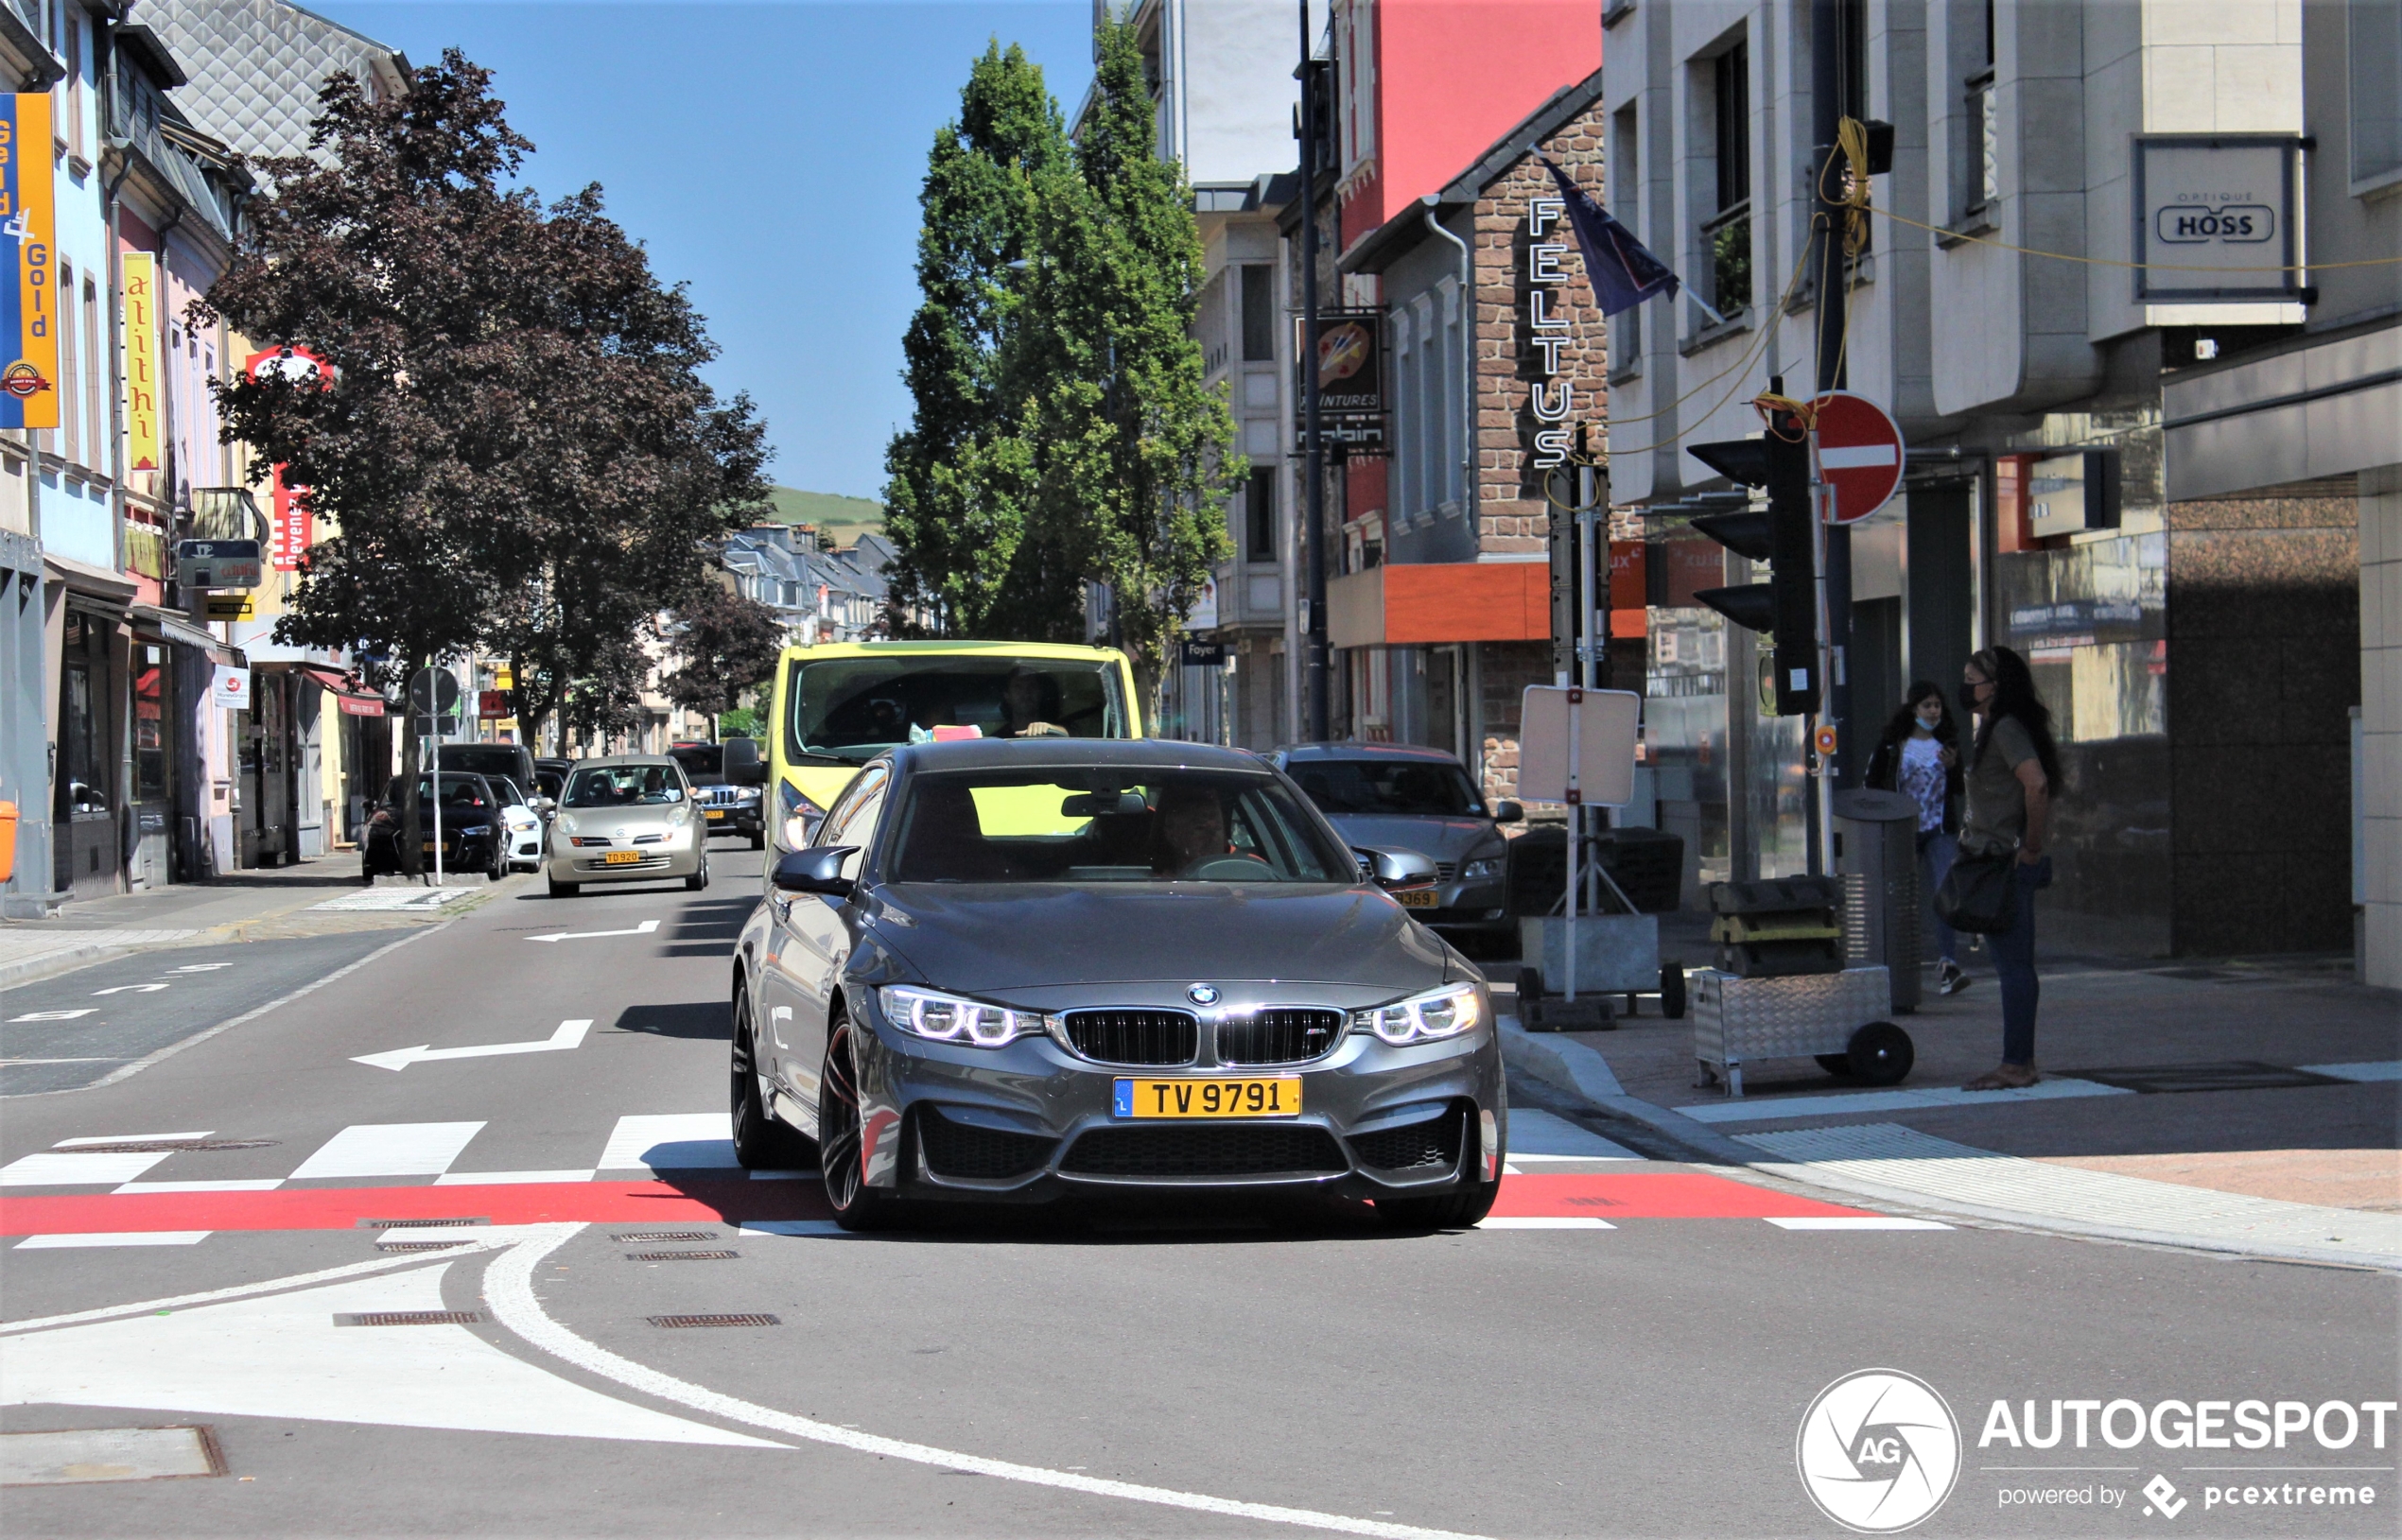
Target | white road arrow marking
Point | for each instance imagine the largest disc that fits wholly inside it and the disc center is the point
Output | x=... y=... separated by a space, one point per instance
x=569 y=1035
x=643 y=929
x=129 y=988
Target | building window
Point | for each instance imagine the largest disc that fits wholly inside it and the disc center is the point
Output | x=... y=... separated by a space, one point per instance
x=95 y=452
x=1259 y=313
x=1355 y=50
x=1625 y=184
x=70 y=373
x=1259 y=514
x=1726 y=236
x=1981 y=168
x=2375 y=60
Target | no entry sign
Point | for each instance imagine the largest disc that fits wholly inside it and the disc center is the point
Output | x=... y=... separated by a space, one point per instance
x=1860 y=454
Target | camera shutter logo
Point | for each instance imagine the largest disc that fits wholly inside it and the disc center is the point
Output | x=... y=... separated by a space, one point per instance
x=1878 y=1451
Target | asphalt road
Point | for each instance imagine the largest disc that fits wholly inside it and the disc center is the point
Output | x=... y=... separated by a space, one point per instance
x=1173 y=1371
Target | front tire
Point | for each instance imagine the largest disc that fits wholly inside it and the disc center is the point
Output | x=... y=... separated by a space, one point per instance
x=700 y=879
x=762 y=1141
x=564 y=890
x=841 y=1150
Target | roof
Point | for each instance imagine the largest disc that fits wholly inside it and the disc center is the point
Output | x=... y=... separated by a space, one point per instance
x=1073 y=753
x=979 y=649
x=610 y=761
x=1375 y=250
x=257 y=65
x=1366 y=750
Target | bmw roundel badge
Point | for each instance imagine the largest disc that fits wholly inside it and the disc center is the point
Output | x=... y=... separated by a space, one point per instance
x=1202 y=995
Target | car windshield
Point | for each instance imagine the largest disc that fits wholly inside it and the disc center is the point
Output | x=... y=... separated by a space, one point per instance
x=1112 y=825
x=623 y=786
x=701 y=762
x=456 y=790
x=851 y=709
x=1408 y=787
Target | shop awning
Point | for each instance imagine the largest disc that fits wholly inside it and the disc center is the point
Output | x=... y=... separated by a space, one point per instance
x=111 y=588
x=181 y=630
x=352 y=701
x=1418 y=603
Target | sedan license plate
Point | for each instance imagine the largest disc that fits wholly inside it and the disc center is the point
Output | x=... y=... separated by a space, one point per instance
x=1430 y=899
x=1277 y=1096
x=621 y=858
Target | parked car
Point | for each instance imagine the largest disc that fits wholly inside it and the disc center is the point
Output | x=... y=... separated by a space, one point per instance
x=526 y=817
x=726 y=807
x=550 y=777
x=1421 y=800
x=514 y=760
x=627 y=817
x=1007 y=971
x=473 y=838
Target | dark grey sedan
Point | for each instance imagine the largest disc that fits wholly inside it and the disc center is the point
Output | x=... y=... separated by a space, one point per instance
x=1395 y=794
x=1008 y=970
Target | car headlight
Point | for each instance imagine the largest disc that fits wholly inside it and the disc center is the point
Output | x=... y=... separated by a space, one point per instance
x=1479 y=869
x=679 y=815
x=1438 y=1012
x=746 y=794
x=566 y=823
x=798 y=820
x=476 y=828
x=947 y=1018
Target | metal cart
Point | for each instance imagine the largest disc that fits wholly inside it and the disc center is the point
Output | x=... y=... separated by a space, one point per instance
x=1836 y=1018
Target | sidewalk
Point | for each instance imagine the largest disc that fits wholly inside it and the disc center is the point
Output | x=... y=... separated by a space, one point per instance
x=315 y=898
x=2246 y=1107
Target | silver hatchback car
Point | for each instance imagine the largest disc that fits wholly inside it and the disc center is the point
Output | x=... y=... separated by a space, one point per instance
x=627 y=817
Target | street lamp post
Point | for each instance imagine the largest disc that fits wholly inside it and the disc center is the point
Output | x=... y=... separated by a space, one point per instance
x=1313 y=679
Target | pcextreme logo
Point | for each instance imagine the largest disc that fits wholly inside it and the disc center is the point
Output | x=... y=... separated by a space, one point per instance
x=1878 y=1451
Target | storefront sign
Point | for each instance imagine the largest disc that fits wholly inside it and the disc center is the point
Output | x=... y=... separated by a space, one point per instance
x=1551 y=400
x=492 y=704
x=230 y=689
x=2215 y=217
x=141 y=366
x=217 y=563
x=1201 y=654
x=232 y=607
x=291 y=521
x=1351 y=379
x=28 y=336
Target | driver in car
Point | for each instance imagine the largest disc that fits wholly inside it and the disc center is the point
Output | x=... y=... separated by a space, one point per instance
x=1193 y=834
x=1026 y=699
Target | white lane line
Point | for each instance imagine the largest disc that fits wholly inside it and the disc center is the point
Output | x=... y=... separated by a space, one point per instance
x=508 y=1179
x=2375 y=1069
x=55 y=1016
x=389 y=1150
x=57 y=1168
x=129 y=989
x=264 y=1183
x=132 y=1138
x=670 y=1142
x=485 y=1240
x=1543 y=1222
x=569 y=1035
x=111 y=1238
x=509 y=1290
x=1855 y=1221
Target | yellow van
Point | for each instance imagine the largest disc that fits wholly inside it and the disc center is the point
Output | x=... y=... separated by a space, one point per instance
x=836 y=706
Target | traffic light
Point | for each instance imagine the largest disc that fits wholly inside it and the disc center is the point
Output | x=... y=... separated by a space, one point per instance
x=1786 y=608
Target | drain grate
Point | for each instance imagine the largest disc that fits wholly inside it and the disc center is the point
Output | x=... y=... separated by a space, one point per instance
x=417 y=1224
x=656 y=1235
x=155 y=1147
x=418 y=1245
x=410 y=1317
x=715 y=1320
x=2232 y=1075
x=681 y=1257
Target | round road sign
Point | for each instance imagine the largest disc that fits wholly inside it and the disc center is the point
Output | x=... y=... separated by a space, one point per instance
x=1860 y=454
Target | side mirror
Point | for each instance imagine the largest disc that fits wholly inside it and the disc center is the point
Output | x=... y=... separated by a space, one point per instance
x=816 y=869
x=742 y=765
x=1390 y=867
x=1509 y=812
x=542 y=806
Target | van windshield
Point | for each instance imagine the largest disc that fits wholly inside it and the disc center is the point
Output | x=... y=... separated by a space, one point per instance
x=851 y=709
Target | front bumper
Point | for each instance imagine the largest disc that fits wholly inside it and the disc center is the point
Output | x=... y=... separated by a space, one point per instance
x=1479 y=905
x=1032 y=1120
x=679 y=854
x=739 y=817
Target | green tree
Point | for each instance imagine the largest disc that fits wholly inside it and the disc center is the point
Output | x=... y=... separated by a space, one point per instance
x=725 y=643
x=1130 y=448
x=961 y=476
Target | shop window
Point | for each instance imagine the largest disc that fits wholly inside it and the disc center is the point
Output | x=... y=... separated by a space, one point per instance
x=83 y=759
x=150 y=747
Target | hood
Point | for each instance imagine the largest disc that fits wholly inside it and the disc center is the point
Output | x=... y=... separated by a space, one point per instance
x=980 y=939
x=1436 y=838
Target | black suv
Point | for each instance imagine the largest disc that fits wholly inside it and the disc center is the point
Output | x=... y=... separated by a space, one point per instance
x=728 y=808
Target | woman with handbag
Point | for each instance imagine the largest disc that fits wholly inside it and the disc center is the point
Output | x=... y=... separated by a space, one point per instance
x=1920 y=757
x=2013 y=768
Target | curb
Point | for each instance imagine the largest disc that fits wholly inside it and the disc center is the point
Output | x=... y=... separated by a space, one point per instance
x=1576 y=1070
x=50 y=964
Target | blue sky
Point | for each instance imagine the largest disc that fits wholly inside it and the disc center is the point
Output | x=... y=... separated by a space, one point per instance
x=770 y=154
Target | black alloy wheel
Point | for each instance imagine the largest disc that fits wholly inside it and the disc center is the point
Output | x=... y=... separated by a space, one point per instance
x=856 y=1205
x=762 y=1141
x=497 y=870
x=700 y=879
x=758 y=839
x=1672 y=990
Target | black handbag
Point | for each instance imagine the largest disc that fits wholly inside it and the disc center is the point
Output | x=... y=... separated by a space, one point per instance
x=1980 y=893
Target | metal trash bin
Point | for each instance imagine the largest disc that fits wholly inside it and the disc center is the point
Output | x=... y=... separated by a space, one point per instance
x=1836 y=1018
x=1876 y=856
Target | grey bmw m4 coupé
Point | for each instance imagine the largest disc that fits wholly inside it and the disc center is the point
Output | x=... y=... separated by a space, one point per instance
x=1010 y=970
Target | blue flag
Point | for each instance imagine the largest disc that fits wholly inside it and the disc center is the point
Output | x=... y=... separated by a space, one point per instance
x=1622 y=273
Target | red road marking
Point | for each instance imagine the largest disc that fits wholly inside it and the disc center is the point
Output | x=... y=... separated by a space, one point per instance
x=341 y=1208
x=1660 y=1195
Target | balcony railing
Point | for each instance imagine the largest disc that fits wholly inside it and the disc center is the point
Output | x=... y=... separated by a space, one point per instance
x=1726 y=247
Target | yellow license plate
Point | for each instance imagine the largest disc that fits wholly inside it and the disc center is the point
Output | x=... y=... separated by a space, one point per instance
x=1427 y=900
x=1278 y=1097
x=717 y=812
x=621 y=858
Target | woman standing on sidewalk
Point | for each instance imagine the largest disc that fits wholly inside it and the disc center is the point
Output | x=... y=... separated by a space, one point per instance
x=1920 y=757
x=2013 y=771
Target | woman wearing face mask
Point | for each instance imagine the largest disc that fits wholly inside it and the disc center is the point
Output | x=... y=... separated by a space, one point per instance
x=1920 y=757
x=2013 y=771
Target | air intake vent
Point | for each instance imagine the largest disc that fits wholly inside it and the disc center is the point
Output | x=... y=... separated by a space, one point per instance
x=964 y=1151
x=1135 y=1037
x=1226 y=1150
x=1278 y=1035
x=1432 y=1144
